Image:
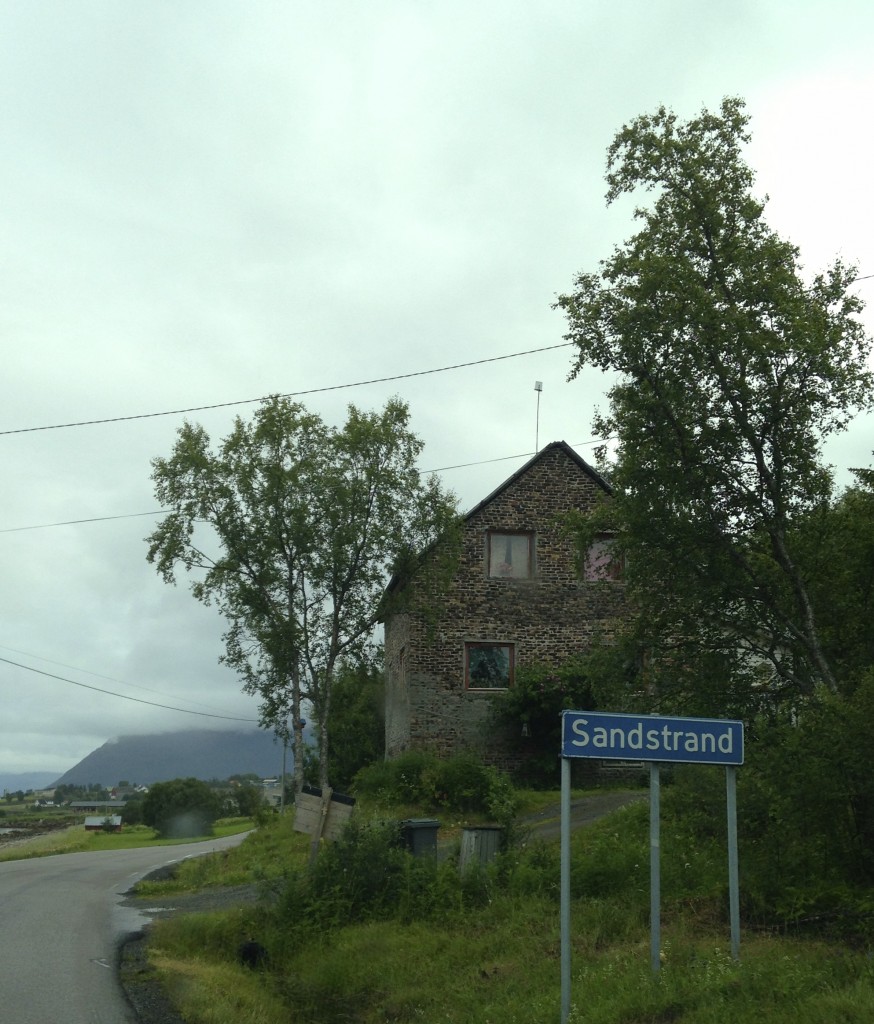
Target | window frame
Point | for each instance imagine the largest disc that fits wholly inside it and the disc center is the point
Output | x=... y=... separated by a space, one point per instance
x=610 y=570
x=493 y=536
x=472 y=645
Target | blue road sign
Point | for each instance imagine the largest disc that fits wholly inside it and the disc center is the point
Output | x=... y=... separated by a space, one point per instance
x=651 y=738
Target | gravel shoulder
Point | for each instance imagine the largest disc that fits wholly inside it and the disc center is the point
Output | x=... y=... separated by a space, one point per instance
x=141 y=983
x=139 y=980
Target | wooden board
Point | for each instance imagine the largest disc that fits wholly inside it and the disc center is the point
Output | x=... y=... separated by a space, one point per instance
x=309 y=808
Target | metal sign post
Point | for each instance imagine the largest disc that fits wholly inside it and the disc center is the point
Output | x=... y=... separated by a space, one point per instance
x=565 y=889
x=655 y=869
x=658 y=740
x=733 y=885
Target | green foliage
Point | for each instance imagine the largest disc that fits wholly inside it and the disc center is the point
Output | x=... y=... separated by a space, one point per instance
x=356 y=721
x=805 y=818
x=469 y=947
x=374 y=934
x=530 y=712
x=462 y=785
x=398 y=781
x=837 y=545
x=369 y=876
x=249 y=800
x=181 y=807
x=731 y=369
x=132 y=813
x=611 y=861
x=291 y=528
x=68 y=792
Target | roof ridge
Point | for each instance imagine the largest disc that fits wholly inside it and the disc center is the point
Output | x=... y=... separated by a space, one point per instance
x=538 y=455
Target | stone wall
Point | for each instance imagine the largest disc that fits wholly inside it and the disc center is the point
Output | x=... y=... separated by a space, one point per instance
x=548 y=618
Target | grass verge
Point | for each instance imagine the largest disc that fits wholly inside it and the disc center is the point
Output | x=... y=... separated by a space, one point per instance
x=499 y=959
x=75 y=839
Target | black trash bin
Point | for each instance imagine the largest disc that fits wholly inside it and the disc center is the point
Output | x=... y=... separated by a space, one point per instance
x=419 y=835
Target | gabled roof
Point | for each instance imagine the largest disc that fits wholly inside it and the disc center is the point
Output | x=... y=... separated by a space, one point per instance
x=561 y=446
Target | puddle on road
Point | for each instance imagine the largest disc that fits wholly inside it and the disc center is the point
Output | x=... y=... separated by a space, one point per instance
x=129 y=919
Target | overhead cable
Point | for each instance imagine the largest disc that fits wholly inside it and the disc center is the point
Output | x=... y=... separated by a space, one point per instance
x=289 y=394
x=164 y=512
x=124 y=696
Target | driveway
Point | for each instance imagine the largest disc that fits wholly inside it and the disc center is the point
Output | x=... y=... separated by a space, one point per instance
x=584 y=811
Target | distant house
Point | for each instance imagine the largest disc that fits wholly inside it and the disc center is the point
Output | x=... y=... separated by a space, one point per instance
x=106 y=823
x=520 y=596
x=97 y=806
x=127 y=792
x=272 y=792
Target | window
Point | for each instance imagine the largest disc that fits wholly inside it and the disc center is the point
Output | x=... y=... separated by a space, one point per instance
x=510 y=555
x=489 y=666
x=602 y=563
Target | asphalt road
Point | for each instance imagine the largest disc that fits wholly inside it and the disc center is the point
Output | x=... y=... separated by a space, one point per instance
x=61 y=921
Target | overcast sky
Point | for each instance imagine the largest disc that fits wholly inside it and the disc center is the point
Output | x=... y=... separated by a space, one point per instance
x=210 y=202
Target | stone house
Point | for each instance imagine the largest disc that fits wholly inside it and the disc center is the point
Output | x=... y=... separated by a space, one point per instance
x=518 y=596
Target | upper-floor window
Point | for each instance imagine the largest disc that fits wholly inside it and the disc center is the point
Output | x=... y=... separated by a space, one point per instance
x=511 y=555
x=489 y=666
x=602 y=560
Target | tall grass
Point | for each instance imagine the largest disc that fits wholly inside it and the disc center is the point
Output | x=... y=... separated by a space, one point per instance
x=503 y=966
x=485 y=948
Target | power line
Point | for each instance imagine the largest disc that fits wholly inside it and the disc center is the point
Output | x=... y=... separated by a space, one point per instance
x=289 y=394
x=77 y=522
x=298 y=394
x=163 y=512
x=97 y=675
x=124 y=696
x=506 y=458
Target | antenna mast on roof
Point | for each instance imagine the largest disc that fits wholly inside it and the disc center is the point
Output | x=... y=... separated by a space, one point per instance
x=538 y=387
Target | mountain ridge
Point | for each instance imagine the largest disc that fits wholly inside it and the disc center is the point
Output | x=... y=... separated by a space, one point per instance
x=158 y=757
x=14 y=782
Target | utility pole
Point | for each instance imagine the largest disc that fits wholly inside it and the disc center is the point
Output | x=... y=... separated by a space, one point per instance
x=538 y=387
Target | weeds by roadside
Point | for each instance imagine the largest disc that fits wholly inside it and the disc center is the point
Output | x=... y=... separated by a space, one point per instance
x=373 y=935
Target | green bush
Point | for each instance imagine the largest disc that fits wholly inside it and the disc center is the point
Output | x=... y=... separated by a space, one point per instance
x=462 y=785
x=132 y=813
x=356 y=721
x=248 y=800
x=181 y=808
x=368 y=875
x=805 y=821
x=398 y=781
x=613 y=859
x=530 y=712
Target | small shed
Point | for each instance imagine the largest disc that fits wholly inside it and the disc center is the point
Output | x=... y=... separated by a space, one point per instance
x=104 y=823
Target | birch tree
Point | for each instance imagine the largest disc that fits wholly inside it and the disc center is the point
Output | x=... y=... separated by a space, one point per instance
x=291 y=529
x=731 y=368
